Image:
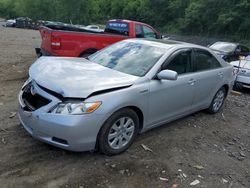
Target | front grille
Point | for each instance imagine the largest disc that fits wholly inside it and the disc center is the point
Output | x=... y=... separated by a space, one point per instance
x=57 y=95
x=33 y=101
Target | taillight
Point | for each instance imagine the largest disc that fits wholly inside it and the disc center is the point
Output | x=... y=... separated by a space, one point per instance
x=55 y=42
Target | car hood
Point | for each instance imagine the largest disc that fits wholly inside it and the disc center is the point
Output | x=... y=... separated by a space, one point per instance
x=241 y=64
x=76 y=77
x=12 y=21
x=219 y=52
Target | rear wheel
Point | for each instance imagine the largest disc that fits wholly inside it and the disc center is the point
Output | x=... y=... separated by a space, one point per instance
x=86 y=55
x=218 y=101
x=118 y=132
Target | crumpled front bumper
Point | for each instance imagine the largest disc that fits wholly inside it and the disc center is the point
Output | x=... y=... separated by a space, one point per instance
x=70 y=132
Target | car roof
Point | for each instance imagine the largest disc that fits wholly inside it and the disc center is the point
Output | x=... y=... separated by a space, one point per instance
x=226 y=43
x=167 y=43
x=127 y=21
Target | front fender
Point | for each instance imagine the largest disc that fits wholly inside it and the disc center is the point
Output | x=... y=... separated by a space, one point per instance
x=134 y=96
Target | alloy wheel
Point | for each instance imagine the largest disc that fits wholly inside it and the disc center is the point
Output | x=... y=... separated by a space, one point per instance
x=218 y=100
x=121 y=132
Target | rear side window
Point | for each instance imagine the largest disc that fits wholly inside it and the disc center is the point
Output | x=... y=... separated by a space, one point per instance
x=181 y=63
x=120 y=28
x=203 y=60
x=148 y=32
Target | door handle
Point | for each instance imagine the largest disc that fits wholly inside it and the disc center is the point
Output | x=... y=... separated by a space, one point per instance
x=220 y=74
x=191 y=82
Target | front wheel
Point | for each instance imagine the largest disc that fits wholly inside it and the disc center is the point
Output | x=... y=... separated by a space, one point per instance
x=218 y=101
x=118 y=132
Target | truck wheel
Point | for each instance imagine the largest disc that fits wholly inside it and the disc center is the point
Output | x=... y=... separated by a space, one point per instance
x=118 y=132
x=85 y=55
x=218 y=101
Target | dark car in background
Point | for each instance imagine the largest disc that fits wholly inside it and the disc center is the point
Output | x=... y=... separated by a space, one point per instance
x=230 y=51
x=10 y=23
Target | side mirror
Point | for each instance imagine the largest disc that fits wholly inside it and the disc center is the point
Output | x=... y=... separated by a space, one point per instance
x=167 y=75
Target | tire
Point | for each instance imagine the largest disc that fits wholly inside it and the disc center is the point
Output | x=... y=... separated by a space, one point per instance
x=112 y=139
x=85 y=55
x=218 y=101
x=237 y=86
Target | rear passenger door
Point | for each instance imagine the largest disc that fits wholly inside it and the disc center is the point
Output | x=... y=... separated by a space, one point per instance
x=208 y=77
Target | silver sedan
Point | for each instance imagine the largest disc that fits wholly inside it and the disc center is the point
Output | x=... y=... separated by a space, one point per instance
x=125 y=89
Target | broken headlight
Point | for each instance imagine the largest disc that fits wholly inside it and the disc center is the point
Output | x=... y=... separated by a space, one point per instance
x=75 y=108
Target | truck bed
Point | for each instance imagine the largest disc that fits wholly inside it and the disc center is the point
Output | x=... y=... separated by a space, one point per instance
x=73 y=28
x=59 y=39
x=73 y=41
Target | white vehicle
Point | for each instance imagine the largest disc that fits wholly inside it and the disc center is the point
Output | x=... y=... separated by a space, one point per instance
x=94 y=28
x=242 y=68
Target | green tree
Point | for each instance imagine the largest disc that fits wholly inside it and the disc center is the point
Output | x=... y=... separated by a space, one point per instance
x=195 y=17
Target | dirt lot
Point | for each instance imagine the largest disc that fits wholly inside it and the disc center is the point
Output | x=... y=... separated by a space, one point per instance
x=214 y=149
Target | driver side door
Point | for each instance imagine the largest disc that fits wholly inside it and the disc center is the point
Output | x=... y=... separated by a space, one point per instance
x=170 y=99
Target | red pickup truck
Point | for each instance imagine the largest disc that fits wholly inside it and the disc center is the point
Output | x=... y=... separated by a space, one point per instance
x=75 y=41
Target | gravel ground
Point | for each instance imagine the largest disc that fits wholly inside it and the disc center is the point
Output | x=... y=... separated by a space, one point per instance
x=214 y=150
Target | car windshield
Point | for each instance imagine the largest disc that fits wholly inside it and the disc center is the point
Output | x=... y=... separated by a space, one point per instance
x=225 y=47
x=135 y=58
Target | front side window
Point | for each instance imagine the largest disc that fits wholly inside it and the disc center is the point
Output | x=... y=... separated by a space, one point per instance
x=135 y=58
x=148 y=32
x=205 y=60
x=181 y=63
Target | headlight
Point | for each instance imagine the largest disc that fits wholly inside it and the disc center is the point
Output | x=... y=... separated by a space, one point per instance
x=245 y=72
x=75 y=108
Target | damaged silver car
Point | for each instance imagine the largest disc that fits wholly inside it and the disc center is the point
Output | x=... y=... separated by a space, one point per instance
x=125 y=89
